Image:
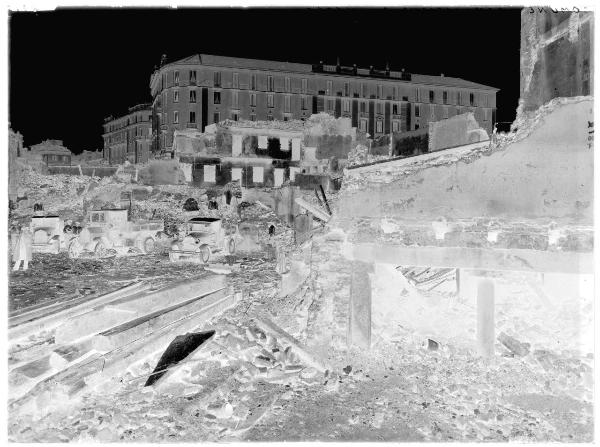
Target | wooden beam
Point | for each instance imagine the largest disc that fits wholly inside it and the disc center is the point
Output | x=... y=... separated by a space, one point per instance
x=473 y=258
x=317 y=212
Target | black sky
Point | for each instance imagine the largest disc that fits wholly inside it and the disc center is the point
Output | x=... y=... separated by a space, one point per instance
x=71 y=68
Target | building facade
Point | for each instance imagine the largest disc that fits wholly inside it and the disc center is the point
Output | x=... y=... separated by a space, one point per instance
x=50 y=153
x=128 y=137
x=203 y=89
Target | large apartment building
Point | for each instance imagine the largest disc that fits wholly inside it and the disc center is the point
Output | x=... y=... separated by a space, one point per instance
x=203 y=89
x=128 y=137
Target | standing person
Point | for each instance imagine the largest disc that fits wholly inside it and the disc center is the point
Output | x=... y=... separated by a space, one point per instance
x=15 y=231
x=23 y=249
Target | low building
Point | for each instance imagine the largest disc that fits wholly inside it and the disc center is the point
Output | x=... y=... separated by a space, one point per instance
x=266 y=153
x=47 y=153
x=127 y=138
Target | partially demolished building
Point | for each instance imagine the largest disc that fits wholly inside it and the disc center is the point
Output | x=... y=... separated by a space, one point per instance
x=267 y=153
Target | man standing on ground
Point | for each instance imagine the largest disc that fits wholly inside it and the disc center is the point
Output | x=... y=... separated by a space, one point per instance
x=23 y=249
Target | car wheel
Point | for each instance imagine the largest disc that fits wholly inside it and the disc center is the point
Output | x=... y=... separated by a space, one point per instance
x=231 y=246
x=149 y=245
x=100 y=249
x=204 y=251
x=174 y=257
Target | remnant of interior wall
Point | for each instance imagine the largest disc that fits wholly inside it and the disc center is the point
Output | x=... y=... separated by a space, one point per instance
x=162 y=172
x=412 y=142
x=333 y=137
x=556 y=55
x=456 y=131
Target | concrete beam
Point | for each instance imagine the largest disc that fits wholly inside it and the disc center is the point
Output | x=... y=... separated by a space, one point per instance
x=472 y=258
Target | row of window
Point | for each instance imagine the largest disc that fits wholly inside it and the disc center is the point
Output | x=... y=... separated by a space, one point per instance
x=130 y=121
x=122 y=136
x=345 y=109
x=347 y=90
x=304 y=101
x=258 y=174
x=379 y=123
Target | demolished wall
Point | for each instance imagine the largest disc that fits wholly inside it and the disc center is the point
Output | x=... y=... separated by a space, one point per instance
x=547 y=174
x=162 y=172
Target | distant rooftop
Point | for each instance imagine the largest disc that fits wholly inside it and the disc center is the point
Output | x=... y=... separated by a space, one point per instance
x=387 y=73
x=130 y=110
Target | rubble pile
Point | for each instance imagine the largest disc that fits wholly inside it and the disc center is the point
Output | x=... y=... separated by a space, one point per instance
x=227 y=385
x=59 y=193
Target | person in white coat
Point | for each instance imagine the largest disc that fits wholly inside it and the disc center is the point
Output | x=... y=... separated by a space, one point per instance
x=22 y=251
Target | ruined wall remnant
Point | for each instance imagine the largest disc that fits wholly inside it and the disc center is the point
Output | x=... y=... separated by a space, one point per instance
x=162 y=172
x=456 y=131
x=547 y=174
x=556 y=55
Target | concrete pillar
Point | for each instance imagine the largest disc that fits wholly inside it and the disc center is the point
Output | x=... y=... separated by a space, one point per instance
x=485 y=318
x=359 y=315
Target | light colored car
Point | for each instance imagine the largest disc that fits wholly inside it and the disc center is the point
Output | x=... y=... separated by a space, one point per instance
x=110 y=229
x=200 y=237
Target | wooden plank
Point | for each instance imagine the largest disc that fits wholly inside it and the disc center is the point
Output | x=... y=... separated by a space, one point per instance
x=131 y=330
x=128 y=308
x=40 y=310
x=266 y=324
x=102 y=367
x=26 y=326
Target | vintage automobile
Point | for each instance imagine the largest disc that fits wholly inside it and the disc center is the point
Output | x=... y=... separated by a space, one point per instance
x=48 y=234
x=110 y=230
x=200 y=237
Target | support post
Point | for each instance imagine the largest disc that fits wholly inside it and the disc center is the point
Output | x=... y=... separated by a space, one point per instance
x=485 y=318
x=359 y=315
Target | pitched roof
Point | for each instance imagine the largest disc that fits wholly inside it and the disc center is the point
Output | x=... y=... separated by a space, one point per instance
x=259 y=64
x=449 y=81
x=240 y=62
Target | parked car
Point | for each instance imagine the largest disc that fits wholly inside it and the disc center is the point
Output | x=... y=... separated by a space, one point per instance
x=111 y=230
x=200 y=237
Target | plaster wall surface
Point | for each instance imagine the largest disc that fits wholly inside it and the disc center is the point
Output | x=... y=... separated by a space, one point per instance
x=548 y=174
